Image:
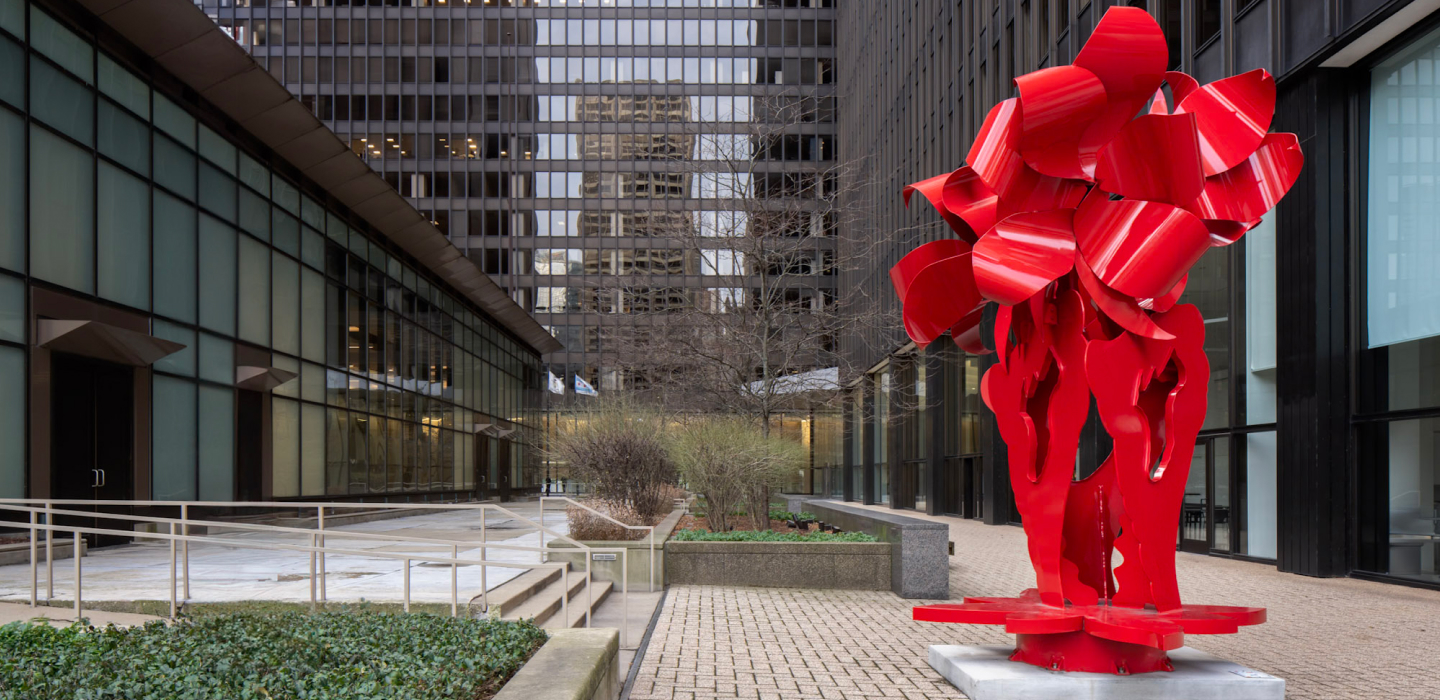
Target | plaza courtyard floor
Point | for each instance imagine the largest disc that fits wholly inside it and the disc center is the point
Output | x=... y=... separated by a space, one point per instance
x=1329 y=638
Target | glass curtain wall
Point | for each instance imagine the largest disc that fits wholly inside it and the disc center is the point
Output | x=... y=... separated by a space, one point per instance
x=132 y=200
x=1400 y=358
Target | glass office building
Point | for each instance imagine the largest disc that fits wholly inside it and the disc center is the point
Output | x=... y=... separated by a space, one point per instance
x=564 y=144
x=204 y=295
x=1320 y=449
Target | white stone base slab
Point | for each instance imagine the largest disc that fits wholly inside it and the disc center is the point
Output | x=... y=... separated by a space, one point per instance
x=987 y=673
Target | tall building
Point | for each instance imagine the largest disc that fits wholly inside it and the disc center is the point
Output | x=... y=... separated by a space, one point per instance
x=575 y=150
x=205 y=295
x=1319 y=450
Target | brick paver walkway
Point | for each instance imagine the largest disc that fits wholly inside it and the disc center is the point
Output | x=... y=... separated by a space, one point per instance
x=1329 y=638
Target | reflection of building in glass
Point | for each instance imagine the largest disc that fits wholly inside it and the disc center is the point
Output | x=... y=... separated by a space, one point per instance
x=559 y=144
x=204 y=296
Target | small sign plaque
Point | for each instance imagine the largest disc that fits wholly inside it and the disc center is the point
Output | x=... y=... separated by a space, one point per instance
x=604 y=556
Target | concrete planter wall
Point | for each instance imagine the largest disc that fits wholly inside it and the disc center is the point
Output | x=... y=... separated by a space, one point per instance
x=578 y=664
x=921 y=565
x=20 y=553
x=861 y=566
x=609 y=570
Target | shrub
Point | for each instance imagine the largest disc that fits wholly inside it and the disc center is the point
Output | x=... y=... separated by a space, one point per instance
x=246 y=656
x=733 y=465
x=585 y=525
x=768 y=536
x=787 y=515
x=620 y=452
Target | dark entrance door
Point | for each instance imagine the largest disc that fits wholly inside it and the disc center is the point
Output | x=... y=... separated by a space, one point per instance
x=1195 y=508
x=249 y=462
x=503 y=467
x=91 y=429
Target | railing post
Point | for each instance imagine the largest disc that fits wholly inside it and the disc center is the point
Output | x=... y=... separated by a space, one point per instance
x=50 y=552
x=76 y=552
x=185 y=545
x=625 y=599
x=589 y=588
x=407 y=585
x=484 y=587
x=454 y=581
x=312 y=570
x=172 y=571
x=565 y=597
x=34 y=564
x=321 y=519
x=652 y=558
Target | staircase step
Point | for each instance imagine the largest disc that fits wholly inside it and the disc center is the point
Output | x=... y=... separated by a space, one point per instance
x=546 y=604
x=603 y=589
x=512 y=594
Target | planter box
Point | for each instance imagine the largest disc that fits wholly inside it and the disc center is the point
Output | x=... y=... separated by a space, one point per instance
x=863 y=566
x=575 y=664
x=609 y=570
x=921 y=566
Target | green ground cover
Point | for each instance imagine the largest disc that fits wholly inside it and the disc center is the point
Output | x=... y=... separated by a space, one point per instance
x=268 y=656
x=767 y=536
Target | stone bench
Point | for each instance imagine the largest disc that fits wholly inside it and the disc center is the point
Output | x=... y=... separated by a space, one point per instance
x=919 y=560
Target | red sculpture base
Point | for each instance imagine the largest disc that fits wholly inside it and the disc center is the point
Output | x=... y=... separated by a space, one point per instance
x=1099 y=638
x=1084 y=652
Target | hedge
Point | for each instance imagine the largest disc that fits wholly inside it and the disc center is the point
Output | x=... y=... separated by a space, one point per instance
x=247 y=656
x=767 y=536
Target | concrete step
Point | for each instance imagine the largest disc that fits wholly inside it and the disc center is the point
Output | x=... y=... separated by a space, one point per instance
x=545 y=604
x=513 y=593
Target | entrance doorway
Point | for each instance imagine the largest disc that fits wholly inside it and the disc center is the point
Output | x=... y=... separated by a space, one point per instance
x=1205 y=516
x=92 y=425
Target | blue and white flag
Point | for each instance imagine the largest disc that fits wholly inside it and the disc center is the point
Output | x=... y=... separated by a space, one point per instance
x=583 y=387
x=556 y=384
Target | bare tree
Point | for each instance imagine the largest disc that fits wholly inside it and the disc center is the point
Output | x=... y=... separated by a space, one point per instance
x=763 y=336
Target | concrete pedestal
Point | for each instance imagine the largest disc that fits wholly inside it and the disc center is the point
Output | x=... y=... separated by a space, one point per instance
x=986 y=673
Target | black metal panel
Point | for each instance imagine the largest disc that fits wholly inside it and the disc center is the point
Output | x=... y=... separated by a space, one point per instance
x=939 y=359
x=1313 y=420
x=1252 y=39
x=1304 y=29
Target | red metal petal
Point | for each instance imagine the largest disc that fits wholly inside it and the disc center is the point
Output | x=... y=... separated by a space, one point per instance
x=1181 y=85
x=1056 y=106
x=904 y=273
x=996 y=160
x=1116 y=625
x=966 y=333
x=1155 y=157
x=1127 y=53
x=967 y=196
x=933 y=189
x=1249 y=190
x=1116 y=306
x=1023 y=254
x=1232 y=116
x=1136 y=247
x=937 y=296
x=1055 y=621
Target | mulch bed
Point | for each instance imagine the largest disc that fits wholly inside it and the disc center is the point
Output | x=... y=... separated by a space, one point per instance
x=738 y=522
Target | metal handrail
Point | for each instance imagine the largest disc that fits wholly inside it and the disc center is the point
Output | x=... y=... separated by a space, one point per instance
x=317 y=548
x=574 y=502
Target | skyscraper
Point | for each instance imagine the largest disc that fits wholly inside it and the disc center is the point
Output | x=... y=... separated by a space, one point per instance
x=576 y=149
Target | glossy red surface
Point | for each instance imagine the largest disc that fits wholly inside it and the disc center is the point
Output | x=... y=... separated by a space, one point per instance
x=1139 y=248
x=1088 y=290
x=1155 y=157
x=1232 y=116
x=1058 y=106
x=1023 y=254
x=1127 y=53
x=1249 y=190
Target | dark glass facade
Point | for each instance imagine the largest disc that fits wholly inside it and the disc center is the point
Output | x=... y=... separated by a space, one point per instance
x=564 y=146
x=295 y=351
x=1318 y=449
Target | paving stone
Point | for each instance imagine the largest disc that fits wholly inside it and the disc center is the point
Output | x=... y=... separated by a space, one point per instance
x=1331 y=639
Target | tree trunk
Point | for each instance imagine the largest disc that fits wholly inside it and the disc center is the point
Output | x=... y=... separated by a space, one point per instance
x=759 y=498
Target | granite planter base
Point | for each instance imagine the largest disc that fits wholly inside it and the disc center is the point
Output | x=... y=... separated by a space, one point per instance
x=575 y=664
x=921 y=565
x=861 y=566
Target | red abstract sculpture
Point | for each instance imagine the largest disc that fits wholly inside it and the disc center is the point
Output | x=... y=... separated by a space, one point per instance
x=1081 y=220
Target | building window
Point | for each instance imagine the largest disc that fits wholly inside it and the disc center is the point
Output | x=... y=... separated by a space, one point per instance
x=1400 y=362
